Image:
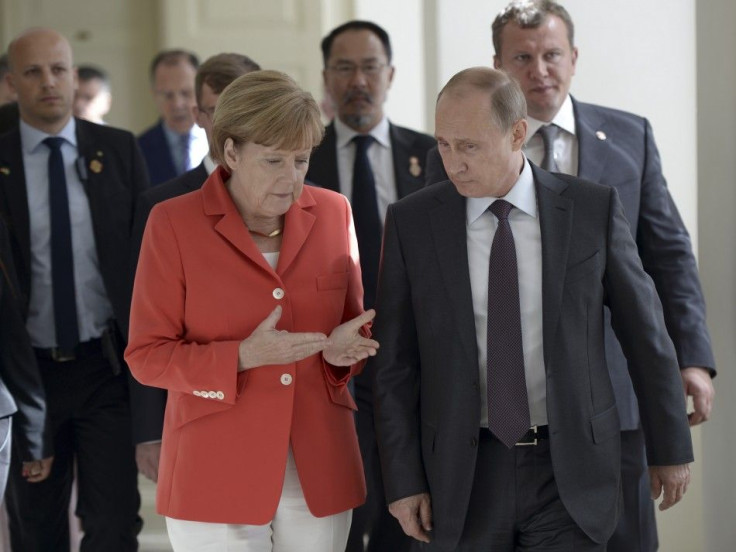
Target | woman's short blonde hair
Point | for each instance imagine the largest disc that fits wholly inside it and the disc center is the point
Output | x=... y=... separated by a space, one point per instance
x=267 y=108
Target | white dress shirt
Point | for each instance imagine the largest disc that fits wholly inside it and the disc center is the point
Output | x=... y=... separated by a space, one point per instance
x=380 y=157
x=481 y=228
x=565 y=146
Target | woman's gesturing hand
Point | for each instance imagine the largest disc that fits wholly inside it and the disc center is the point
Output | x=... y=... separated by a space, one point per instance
x=267 y=345
x=346 y=346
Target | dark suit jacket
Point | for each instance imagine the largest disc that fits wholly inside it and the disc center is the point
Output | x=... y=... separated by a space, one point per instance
x=113 y=174
x=148 y=403
x=617 y=149
x=21 y=389
x=157 y=154
x=427 y=401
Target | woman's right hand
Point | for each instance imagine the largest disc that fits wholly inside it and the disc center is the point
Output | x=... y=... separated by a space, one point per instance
x=267 y=345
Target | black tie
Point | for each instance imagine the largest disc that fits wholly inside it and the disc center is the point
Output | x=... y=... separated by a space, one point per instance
x=184 y=147
x=508 y=405
x=548 y=134
x=62 y=259
x=367 y=222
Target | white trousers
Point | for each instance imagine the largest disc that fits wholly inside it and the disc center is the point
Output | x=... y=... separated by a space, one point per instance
x=293 y=528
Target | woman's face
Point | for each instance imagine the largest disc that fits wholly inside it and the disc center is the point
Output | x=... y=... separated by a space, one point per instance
x=267 y=180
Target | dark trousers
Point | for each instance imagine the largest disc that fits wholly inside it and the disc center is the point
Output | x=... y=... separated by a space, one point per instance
x=637 y=528
x=89 y=417
x=515 y=506
x=372 y=522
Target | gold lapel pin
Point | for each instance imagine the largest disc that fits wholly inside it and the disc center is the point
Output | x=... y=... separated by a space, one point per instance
x=414 y=168
x=95 y=166
x=600 y=134
x=99 y=153
x=5 y=170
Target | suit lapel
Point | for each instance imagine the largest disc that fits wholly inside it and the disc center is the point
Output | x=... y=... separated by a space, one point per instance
x=323 y=164
x=408 y=162
x=13 y=183
x=297 y=226
x=448 y=234
x=593 y=146
x=555 y=223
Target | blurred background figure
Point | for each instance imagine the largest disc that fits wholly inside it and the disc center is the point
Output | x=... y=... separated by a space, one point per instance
x=93 y=99
x=7 y=95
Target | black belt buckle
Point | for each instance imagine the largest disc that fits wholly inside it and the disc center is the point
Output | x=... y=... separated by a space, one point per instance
x=58 y=355
x=533 y=441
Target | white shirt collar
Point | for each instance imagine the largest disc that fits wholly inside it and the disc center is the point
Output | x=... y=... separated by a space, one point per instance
x=344 y=134
x=565 y=119
x=522 y=195
x=209 y=164
x=31 y=137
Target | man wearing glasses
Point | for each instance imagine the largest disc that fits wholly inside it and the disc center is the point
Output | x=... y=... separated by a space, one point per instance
x=374 y=163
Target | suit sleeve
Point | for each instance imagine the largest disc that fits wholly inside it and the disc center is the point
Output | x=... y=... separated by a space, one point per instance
x=158 y=353
x=666 y=252
x=435 y=168
x=20 y=372
x=637 y=320
x=397 y=375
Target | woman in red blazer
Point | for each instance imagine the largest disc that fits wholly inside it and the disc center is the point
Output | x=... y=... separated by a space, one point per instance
x=247 y=307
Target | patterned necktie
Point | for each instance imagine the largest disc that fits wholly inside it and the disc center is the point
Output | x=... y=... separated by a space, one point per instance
x=62 y=257
x=508 y=405
x=548 y=134
x=368 y=228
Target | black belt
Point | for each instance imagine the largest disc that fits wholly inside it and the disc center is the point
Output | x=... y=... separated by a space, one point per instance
x=82 y=350
x=532 y=436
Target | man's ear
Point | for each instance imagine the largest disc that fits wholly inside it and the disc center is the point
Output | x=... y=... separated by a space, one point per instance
x=518 y=134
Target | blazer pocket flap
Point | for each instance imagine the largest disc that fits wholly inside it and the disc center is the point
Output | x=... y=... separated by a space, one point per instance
x=333 y=281
x=582 y=269
x=340 y=394
x=190 y=408
x=605 y=425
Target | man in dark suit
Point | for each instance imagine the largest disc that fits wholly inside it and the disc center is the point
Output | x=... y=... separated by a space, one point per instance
x=148 y=403
x=534 y=43
x=357 y=75
x=490 y=316
x=174 y=144
x=22 y=399
x=68 y=188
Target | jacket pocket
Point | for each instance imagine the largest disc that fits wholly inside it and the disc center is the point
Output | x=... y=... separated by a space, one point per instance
x=605 y=425
x=580 y=270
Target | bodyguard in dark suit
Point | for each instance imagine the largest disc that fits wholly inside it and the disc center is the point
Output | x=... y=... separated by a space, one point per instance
x=466 y=365
x=174 y=144
x=534 y=43
x=374 y=163
x=148 y=403
x=68 y=188
x=22 y=399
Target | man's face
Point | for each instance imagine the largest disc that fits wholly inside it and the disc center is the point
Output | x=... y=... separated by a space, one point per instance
x=92 y=101
x=357 y=78
x=204 y=112
x=43 y=76
x=542 y=61
x=173 y=89
x=480 y=159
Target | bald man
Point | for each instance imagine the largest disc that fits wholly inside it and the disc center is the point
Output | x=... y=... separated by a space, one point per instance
x=67 y=189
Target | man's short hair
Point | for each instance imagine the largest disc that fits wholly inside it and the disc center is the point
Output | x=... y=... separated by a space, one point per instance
x=220 y=70
x=172 y=57
x=507 y=101
x=530 y=14
x=92 y=72
x=356 y=25
x=4 y=65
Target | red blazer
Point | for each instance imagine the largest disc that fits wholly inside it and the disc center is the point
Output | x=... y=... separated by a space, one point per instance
x=201 y=287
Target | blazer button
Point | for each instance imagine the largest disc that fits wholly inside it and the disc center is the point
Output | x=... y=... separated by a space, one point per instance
x=473 y=442
x=286 y=379
x=278 y=293
x=220 y=395
x=212 y=394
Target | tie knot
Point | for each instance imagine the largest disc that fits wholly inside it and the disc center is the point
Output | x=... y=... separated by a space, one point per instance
x=501 y=208
x=548 y=133
x=362 y=142
x=53 y=142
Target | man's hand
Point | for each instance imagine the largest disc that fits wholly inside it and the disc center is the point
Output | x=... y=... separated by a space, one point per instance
x=146 y=458
x=414 y=514
x=699 y=385
x=673 y=480
x=37 y=470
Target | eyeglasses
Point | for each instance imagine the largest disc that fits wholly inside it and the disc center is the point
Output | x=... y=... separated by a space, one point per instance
x=347 y=70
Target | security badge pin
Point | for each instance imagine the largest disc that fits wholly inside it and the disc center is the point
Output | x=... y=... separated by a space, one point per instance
x=414 y=168
x=600 y=134
x=95 y=166
x=5 y=170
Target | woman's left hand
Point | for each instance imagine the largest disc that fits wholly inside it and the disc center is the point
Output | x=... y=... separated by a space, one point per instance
x=346 y=345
